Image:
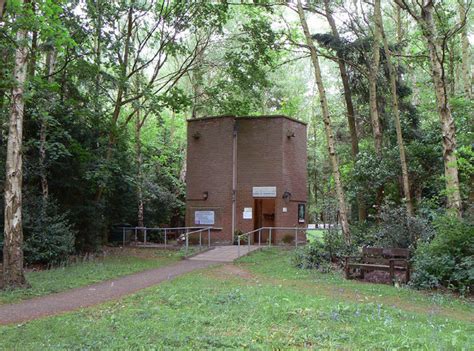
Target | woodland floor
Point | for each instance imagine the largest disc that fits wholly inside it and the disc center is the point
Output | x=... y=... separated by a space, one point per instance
x=259 y=302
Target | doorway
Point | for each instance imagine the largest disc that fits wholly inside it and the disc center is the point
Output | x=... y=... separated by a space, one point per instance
x=264 y=217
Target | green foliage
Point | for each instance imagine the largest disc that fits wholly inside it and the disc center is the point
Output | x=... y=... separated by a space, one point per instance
x=313 y=256
x=447 y=260
x=49 y=236
x=320 y=254
x=399 y=230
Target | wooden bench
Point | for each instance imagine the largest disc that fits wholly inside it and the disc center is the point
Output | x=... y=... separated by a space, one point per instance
x=379 y=259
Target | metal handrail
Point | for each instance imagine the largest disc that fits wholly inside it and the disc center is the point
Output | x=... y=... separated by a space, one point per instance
x=259 y=230
x=200 y=238
x=166 y=231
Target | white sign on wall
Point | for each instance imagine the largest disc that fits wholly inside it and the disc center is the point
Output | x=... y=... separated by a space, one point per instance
x=247 y=214
x=264 y=191
x=204 y=217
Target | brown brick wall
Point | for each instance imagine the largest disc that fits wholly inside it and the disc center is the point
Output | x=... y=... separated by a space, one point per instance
x=265 y=157
x=209 y=168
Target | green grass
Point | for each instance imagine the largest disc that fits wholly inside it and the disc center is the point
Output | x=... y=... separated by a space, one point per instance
x=314 y=234
x=261 y=303
x=86 y=273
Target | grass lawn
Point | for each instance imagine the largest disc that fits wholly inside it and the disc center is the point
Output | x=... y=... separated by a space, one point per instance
x=117 y=263
x=259 y=303
x=314 y=234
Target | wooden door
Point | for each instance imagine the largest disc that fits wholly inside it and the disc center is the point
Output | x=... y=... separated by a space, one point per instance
x=264 y=217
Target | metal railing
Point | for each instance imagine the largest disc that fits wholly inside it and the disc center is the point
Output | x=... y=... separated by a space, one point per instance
x=208 y=229
x=176 y=231
x=269 y=241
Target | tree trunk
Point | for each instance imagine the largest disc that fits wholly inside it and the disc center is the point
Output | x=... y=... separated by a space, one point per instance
x=197 y=83
x=372 y=78
x=444 y=110
x=13 y=274
x=396 y=113
x=2 y=8
x=349 y=105
x=50 y=64
x=466 y=53
x=139 y=161
x=327 y=126
x=452 y=66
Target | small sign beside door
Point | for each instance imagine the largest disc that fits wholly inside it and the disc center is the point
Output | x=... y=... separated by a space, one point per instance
x=247 y=214
x=264 y=191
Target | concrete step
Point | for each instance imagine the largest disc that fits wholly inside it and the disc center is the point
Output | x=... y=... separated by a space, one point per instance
x=224 y=253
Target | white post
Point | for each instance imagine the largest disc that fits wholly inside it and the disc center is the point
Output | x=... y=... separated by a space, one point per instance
x=238 y=245
x=144 y=240
x=270 y=237
x=165 y=238
x=208 y=237
x=259 y=236
x=186 y=253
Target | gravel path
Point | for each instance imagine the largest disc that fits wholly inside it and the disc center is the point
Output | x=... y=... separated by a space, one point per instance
x=94 y=294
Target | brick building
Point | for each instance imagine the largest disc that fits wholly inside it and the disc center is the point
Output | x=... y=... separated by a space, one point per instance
x=244 y=173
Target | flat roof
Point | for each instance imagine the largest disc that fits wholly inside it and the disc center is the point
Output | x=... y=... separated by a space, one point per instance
x=246 y=117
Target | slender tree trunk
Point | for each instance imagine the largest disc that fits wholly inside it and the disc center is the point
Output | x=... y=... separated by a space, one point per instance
x=466 y=53
x=139 y=161
x=33 y=54
x=372 y=78
x=98 y=55
x=197 y=83
x=349 y=105
x=452 y=66
x=437 y=54
x=13 y=274
x=444 y=110
x=415 y=100
x=315 y=174
x=327 y=125
x=396 y=113
x=2 y=8
x=50 y=65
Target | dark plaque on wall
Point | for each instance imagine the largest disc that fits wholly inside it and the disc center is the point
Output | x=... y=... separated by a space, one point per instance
x=301 y=213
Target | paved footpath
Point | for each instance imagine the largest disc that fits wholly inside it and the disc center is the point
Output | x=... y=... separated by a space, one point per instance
x=94 y=294
x=227 y=253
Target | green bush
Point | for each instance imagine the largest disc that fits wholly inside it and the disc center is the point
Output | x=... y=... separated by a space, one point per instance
x=398 y=229
x=49 y=237
x=448 y=259
x=312 y=256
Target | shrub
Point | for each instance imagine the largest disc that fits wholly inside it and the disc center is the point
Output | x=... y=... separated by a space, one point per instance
x=49 y=237
x=243 y=239
x=312 y=256
x=448 y=259
x=398 y=229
